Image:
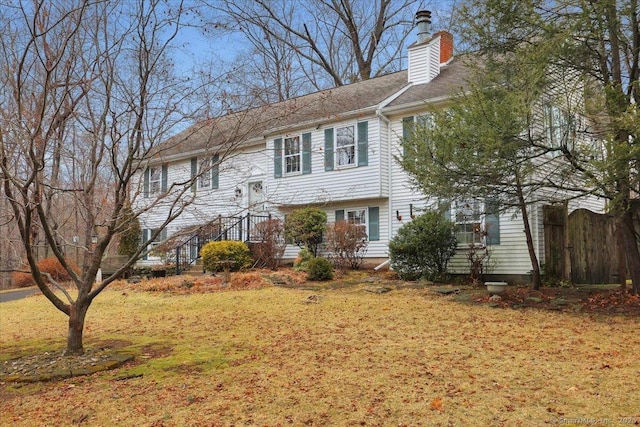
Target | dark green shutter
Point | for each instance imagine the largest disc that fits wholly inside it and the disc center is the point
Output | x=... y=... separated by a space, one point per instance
x=145 y=237
x=363 y=143
x=147 y=172
x=340 y=215
x=165 y=171
x=194 y=172
x=215 y=172
x=328 y=149
x=374 y=223
x=492 y=221
x=277 y=158
x=306 y=153
x=407 y=131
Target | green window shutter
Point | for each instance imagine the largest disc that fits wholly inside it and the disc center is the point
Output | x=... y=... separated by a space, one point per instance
x=407 y=130
x=492 y=221
x=374 y=223
x=147 y=172
x=165 y=170
x=194 y=172
x=145 y=237
x=328 y=149
x=277 y=158
x=340 y=215
x=306 y=153
x=363 y=143
x=215 y=172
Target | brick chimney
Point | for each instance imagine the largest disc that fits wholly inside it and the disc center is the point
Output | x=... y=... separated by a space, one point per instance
x=446 y=46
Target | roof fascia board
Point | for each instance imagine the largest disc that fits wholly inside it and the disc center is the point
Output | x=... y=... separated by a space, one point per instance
x=415 y=105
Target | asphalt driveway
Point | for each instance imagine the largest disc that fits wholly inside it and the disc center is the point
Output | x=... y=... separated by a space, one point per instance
x=16 y=294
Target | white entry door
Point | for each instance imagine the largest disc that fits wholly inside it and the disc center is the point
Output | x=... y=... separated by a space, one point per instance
x=256 y=196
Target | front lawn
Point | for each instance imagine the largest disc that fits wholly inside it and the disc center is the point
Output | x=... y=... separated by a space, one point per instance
x=325 y=355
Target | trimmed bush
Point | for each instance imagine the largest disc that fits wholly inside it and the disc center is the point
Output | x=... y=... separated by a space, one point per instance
x=302 y=261
x=319 y=269
x=305 y=228
x=423 y=247
x=216 y=256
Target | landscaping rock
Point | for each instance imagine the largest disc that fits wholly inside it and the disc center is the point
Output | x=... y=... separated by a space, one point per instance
x=447 y=291
x=534 y=299
x=378 y=290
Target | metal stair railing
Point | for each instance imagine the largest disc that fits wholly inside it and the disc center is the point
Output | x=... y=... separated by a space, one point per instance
x=222 y=228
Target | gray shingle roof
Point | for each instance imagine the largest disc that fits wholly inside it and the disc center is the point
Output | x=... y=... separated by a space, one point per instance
x=245 y=127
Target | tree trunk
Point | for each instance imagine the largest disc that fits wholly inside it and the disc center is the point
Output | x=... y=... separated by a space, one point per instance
x=76 y=327
x=631 y=249
x=622 y=253
x=536 y=279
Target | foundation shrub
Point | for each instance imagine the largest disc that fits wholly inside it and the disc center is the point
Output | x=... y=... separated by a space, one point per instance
x=319 y=269
x=216 y=256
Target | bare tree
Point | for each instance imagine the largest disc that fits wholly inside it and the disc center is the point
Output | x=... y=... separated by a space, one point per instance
x=88 y=98
x=335 y=42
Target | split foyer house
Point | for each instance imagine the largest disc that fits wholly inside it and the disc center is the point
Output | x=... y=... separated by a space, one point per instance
x=336 y=150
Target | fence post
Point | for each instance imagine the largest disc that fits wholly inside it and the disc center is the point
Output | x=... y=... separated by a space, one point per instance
x=248 y=226
x=177 y=260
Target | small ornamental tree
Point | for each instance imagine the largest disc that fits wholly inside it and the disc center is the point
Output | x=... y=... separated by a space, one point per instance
x=423 y=247
x=305 y=228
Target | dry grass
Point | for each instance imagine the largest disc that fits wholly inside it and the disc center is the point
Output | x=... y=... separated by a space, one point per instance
x=275 y=356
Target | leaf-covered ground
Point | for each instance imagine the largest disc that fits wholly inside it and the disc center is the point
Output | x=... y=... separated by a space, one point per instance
x=327 y=355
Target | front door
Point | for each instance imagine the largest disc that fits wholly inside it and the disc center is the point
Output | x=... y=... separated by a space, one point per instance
x=256 y=197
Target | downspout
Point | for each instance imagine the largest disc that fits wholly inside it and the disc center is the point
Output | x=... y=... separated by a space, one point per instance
x=387 y=122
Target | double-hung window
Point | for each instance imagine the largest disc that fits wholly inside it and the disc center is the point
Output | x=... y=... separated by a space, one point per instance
x=204 y=177
x=357 y=217
x=205 y=172
x=292 y=155
x=560 y=127
x=477 y=221
x=468 y=221
x=368 y=218
x=155 y=180
x=345 y=146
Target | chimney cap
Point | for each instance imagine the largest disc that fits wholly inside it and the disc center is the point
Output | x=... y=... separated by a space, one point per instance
x=421 y=14
x=423 y=22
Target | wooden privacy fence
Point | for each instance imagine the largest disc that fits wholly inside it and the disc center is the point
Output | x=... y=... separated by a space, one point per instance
x=583 y=248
